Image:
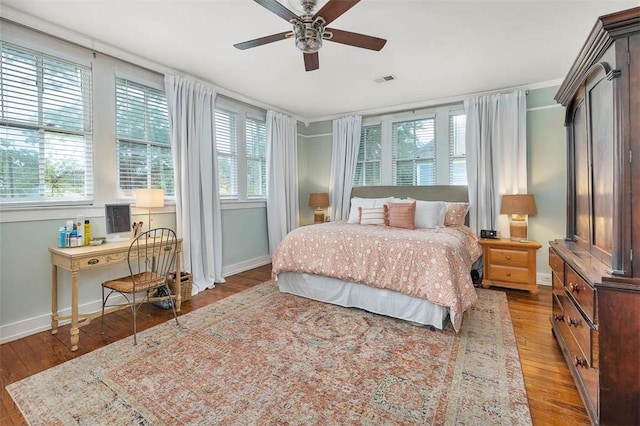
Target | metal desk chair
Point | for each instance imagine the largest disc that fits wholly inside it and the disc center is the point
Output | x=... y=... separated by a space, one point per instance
x=151 y=257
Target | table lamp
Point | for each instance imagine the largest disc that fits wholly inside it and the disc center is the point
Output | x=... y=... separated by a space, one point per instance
x=320 y=201
x=149 y=198
x=518 y=207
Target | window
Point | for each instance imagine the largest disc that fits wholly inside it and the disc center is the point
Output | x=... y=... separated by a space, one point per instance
x=226 y=144
x=241 y=141
x=424 y=147
x=256 y=132
x=414 y=152
x=143 y=148
x=368 y=164
x=457 y=150
x=45 y=129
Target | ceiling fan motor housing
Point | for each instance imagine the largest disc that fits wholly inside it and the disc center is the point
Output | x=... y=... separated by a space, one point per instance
x=309 y=33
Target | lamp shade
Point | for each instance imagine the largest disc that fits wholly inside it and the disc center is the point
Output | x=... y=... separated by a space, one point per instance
x=519 y=204
x=149 y=197
x=319 y=200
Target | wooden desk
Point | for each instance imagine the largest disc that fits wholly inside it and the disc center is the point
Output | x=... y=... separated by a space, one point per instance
x=75 y=259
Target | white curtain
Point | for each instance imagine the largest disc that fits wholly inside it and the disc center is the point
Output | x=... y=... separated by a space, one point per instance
x=344 y=156
x=496 y=144
x=282 y=177
x=191 y=118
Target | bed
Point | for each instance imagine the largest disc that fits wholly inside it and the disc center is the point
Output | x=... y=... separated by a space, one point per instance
x=420 y=275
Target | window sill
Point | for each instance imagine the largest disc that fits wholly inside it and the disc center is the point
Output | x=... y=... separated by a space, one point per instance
x=237 y=204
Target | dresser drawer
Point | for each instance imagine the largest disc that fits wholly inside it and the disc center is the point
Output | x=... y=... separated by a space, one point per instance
x=582 y=292
x=502 y=256
x=587 y=376
x=556 y=264
x=579 y=327
x=557 y=285
x=508 y=273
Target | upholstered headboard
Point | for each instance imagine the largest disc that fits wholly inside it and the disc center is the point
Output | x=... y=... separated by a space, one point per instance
x=426 y=192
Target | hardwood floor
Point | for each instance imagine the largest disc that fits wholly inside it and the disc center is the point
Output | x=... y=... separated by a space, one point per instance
x=553 y=398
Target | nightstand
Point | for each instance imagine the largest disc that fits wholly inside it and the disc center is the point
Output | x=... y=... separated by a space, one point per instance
x=510 y=264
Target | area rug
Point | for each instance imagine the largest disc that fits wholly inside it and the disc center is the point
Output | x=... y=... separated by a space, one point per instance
x=262 y=357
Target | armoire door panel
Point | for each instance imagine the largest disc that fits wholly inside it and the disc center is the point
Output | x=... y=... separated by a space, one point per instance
x=601 y=100
x=634 y=151
x=581 y=147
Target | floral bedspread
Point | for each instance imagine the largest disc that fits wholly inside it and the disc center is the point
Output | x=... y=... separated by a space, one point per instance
x=432 y=264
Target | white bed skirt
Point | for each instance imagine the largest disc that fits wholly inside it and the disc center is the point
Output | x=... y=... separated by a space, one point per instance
x=355 y=295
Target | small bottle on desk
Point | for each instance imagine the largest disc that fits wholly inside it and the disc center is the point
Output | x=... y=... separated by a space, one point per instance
x=87 y=232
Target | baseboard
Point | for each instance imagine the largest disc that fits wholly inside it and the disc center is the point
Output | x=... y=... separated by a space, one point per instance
x=543 y=279
x=40 y=323
x=246 y=265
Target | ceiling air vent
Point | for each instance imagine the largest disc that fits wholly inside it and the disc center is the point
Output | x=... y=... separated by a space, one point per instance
x=386 y=78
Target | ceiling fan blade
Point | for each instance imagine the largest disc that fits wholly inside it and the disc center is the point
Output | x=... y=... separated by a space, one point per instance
x=262 y=40
x=334 y=9
x=311 y=61
x=278 y=9
x=356 y=39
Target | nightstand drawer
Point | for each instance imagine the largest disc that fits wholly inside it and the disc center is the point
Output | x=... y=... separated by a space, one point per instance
x=582 y=292
x=500 y=256
x=509 y=274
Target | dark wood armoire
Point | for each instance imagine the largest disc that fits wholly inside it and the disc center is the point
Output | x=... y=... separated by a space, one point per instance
x=596 y=266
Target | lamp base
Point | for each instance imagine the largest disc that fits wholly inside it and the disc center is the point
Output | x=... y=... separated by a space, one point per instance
x=318 y=216
x=518 y=231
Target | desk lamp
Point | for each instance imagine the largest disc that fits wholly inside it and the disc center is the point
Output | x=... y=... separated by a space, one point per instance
x=149 y=198
x=518 y=207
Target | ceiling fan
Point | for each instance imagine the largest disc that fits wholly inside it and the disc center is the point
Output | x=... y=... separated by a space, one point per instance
x=309 y=30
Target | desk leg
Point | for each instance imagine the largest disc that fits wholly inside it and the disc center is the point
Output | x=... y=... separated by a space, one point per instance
x=54 y=299
x=178 y=282
x=75 y=330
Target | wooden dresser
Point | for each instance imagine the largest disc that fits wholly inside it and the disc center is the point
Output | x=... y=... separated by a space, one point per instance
x=596 y=267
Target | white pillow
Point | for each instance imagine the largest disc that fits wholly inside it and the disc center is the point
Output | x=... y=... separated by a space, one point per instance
x=430 y=214
x=371 y=216
x=354 y=214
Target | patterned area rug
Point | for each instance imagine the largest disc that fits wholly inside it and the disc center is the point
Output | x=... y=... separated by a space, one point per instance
x=265 y=358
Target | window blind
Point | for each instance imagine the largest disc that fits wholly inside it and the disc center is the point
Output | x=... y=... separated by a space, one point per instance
x=45 y=129
x=143 y=147
x=414 y=152
x=256 y=136
x=369 y=154
x=457 y=150
x=226 y=146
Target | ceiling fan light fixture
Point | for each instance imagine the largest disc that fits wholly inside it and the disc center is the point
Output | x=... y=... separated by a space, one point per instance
x=309 y=34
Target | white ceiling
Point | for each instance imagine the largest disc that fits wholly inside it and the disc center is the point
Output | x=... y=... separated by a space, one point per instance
x=437 y=50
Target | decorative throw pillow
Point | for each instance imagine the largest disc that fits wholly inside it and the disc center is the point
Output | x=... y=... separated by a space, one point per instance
x=354 y=214
x=430 y=214
x=456 y=212
x=371 y=216
x=401 y=215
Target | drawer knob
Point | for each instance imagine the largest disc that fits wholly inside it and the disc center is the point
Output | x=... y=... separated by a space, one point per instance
x=581 y=362
x=508 y=274
x=93 y=261
x=572 y=321
x=558 y=317
x=574 y=287
x=508 y=257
